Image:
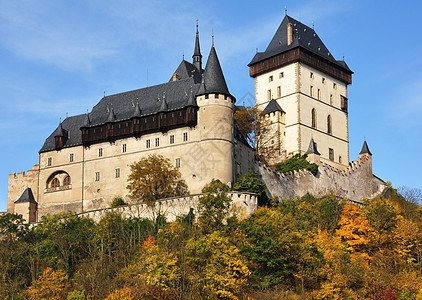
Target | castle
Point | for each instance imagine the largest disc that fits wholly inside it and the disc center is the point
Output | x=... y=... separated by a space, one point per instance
x=299 y=87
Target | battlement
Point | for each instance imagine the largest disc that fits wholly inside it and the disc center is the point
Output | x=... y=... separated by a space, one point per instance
x=31 y=172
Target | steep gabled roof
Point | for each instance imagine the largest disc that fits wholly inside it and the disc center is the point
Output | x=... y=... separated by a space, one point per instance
x=312 y=149
x=303 y=36
x=213 y=81
x=365 y=149
x=272 y=107
x=186 y=70
x=26 y=196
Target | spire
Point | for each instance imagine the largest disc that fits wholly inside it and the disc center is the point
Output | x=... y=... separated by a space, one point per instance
x=137 y=113
x=197 y=56
x=213 y=80
x=111 y=116
x=365 y=149
x=312 y=149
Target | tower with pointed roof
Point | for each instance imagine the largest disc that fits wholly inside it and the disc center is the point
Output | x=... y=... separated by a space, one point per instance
x=301 y=75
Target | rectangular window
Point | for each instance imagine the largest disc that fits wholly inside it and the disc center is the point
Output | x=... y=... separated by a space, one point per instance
x=269 y=95
x=185 y=136
x=148 y=144
x=71 y=157
x=339 y=159
x=97 y=176
x=278 y=91
x=343 y=103
x=100 y=152
x=311 y=91
x=334 y=86
x=172 y=139
x=331 y=154
x=312 y=75
x=117 y=173
x=49 y=161
x=331 y=99
x=319 y=94
x=281 y=75
x=177 y=162
x=271 y=78
x=323 y=80
x=157 y=142
x=124 y=148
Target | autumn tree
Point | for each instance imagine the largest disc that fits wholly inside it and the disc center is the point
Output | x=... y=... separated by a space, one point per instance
x=50 y=285
x=259 y=132
x=251 y=183
x=153 y=178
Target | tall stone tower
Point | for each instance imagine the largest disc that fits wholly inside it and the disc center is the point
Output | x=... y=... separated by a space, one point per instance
x=309 y=85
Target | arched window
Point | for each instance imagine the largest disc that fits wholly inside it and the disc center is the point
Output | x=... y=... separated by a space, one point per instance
x=66 y=180
x=313 y=118
x=55 y=183
x=329 y=129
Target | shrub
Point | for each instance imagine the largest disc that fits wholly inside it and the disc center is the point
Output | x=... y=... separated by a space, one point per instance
x=117 y=201
x=295 y=163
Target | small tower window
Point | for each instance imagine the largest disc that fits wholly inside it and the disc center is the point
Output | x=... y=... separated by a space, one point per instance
x=331 y=154
x=100 y=152
x=331 y=99
x=172 y=139
x=185 y=136
x=97 y=176
x=319 y=94
x=117 y=173
x=329 y=129
x=49 y=161
x=311 y=91
x=269 y=95
x=177 y=162
x=71 y=157
x=323 y=80
x=124 y=148
x=335 y=86
x=66 y=180
x=55 y=183
x=313 y=118
x=281 y=75
x=157 y=142
x=278 y=91
x=339 y=159
x=271 y=78
x=148 y=144
x=312 y=75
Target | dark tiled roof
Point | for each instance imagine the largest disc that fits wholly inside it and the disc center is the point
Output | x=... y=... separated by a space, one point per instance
x=213 y=81
x=61 y=131
x=303 y=36
x=186 y=70
x=123 y=107
x=272 y=107
x=312 y=149
x=26 y=196
x=365 y=149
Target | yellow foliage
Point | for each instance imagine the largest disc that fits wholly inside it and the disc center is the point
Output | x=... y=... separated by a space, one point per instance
x=50 y=285
x=121 y=294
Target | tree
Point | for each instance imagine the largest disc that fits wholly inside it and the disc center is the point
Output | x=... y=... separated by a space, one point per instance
x=258 y=131
x=251 y=183
x=213 y=206
x=295 y=163
x=50 y=285
x=153 y=178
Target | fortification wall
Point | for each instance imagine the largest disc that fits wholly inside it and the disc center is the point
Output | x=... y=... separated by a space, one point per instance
x=243 y=203
x=18 y=183
x=354 y=183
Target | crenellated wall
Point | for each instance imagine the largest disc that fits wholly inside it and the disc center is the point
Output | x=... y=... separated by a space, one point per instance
x=354 y=183
x=243 y=204
x=18 y=183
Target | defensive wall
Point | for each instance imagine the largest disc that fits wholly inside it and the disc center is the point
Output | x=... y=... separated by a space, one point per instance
x=171 y=208
x=355 y=182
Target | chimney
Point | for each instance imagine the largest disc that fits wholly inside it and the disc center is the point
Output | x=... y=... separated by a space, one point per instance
x=289 y=34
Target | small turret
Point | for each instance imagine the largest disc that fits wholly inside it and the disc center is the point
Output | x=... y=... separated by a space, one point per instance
x=313 y=154
x=365 y=150
x=60 y=137
x=197 y=56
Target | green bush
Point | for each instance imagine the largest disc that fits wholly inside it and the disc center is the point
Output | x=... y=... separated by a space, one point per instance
x=117 y=201
x=251 y=183
x=295 y=163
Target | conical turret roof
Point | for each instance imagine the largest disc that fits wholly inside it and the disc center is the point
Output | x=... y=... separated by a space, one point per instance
x=365 y=149
x=312 y=149
x=197 y=51
x=164 y=106
x=191 y=99
x=137 y=112
x=214 y=81
x=27 y=196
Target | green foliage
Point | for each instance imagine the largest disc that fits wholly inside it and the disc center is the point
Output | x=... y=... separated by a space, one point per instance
x=295 y=163
x=213 y=206
x=251 y=183
x=117 y=202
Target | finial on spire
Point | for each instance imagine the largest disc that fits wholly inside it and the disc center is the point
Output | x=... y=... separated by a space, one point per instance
x=197 y=20
x=285 y=10
x=183 y=54
x=60 y=120
x=256 y=50
x=313 y=26
x=104 y=94
x=212 y=37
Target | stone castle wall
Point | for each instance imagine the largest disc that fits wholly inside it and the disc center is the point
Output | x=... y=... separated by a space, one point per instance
x=171 y=208
x=354 y=183
x=18 y=183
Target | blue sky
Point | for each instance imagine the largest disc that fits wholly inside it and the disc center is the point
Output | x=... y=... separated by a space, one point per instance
x=59 y=57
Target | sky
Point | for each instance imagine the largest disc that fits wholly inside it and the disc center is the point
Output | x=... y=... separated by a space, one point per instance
x=58 y=58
